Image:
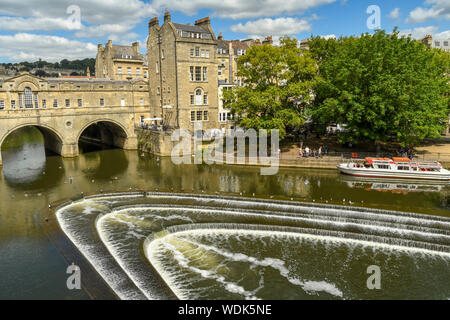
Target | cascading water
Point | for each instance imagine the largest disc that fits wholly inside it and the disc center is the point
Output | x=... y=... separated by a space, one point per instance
x=162 y=246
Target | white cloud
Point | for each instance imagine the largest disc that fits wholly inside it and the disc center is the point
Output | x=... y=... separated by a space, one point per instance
x=329 y=36
x=34 y=23
x=98 y=17
x=102 y=30
x=239 y=9
x=443 y=35
x=418 y=33
x=92 y=11
x=31 y=47
x=273 y=27
x=395 y=14
x=440 y=9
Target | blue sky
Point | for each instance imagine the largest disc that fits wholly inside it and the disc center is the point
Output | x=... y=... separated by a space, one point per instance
x=58 y=29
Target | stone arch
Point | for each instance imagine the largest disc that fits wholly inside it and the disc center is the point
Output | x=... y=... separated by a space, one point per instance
x=31 y=83
x=111 y=132
x=52 y=138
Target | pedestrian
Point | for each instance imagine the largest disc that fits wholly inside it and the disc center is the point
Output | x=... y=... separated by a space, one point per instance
x=307 y=152
x=320 y=152
x=300 y=153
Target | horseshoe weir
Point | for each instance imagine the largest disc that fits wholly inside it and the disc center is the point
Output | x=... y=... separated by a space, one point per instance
x=189 y=246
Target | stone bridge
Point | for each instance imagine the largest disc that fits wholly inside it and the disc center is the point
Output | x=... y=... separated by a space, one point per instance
x=62 y=128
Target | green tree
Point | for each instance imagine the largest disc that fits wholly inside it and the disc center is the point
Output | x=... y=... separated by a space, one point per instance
x=41 y=73
x=382 y=86
x=278 y=87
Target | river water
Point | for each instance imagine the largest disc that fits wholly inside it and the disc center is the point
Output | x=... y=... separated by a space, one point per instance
x=240 y=242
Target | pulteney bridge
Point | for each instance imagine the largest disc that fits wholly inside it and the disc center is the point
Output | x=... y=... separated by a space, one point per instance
x=30 y=101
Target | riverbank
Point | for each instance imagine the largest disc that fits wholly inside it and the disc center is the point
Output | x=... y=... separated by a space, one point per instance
x=327 y=162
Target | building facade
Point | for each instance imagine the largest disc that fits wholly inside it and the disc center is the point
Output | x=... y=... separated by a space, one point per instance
x=120 y=62
x=62 y=109
x=29 y=92
x=443 y=44
x=183 y=73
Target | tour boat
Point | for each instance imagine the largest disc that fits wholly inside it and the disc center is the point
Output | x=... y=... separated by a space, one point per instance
x=396 y=168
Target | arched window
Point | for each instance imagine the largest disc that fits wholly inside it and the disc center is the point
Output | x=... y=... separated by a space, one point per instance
x=28 y=98
x=198 y=97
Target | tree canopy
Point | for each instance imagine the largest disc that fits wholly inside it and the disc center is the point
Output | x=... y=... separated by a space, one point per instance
x=278 y=87
x=382 y=86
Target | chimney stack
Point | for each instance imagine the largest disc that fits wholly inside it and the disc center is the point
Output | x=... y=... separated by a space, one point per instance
x=135 y=46
x=220 y=36
x=167 y=17
x=268 y=40
x=153 y=22
x=203 y=22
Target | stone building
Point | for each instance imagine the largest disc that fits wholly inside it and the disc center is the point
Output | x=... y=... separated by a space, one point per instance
x=443 y=44
x=62 y=109
x=183 y=73
x=228 y=53
x=73 y=92
x=118 y=62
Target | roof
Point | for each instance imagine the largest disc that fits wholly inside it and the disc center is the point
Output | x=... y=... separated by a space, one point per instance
x=120 y=51
x=371 y=160
x=237 y=44
x=188 y=29
x=222 y=44
x=90 y=80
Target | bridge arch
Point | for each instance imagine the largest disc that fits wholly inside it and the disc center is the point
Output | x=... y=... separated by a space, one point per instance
x=108 y=131
x=52 y=138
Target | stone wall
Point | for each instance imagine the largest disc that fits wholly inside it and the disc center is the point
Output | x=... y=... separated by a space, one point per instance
x=155 y=142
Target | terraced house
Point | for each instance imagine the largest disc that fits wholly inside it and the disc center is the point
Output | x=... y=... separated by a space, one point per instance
x=118 y=62
x=183 y=73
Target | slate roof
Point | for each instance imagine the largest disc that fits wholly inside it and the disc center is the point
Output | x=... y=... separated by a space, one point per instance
x=120 y=51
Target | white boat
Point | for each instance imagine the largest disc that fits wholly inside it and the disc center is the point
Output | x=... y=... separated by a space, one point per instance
x=395 y=168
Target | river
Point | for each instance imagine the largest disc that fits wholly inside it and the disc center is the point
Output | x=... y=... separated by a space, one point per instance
x=32 y=268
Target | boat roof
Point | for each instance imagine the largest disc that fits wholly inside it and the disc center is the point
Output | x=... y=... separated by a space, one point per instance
x=371 y=160
x=401 y=159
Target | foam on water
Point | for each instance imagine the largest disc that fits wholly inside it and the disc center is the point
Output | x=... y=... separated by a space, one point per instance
x=178 y=224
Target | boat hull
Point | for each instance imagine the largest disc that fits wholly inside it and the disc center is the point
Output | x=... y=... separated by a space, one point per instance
x=394 y=174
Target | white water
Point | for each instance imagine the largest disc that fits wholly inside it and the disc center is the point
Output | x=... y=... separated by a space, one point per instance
x=390 y=232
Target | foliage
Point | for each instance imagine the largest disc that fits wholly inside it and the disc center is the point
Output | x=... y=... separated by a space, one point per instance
x=278 y=87
x=382 y=86
x=63 y=64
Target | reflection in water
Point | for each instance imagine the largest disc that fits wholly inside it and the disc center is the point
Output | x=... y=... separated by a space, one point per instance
x=24 y=160
x=395 y=185
x=25 y=166
x=23 y=155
